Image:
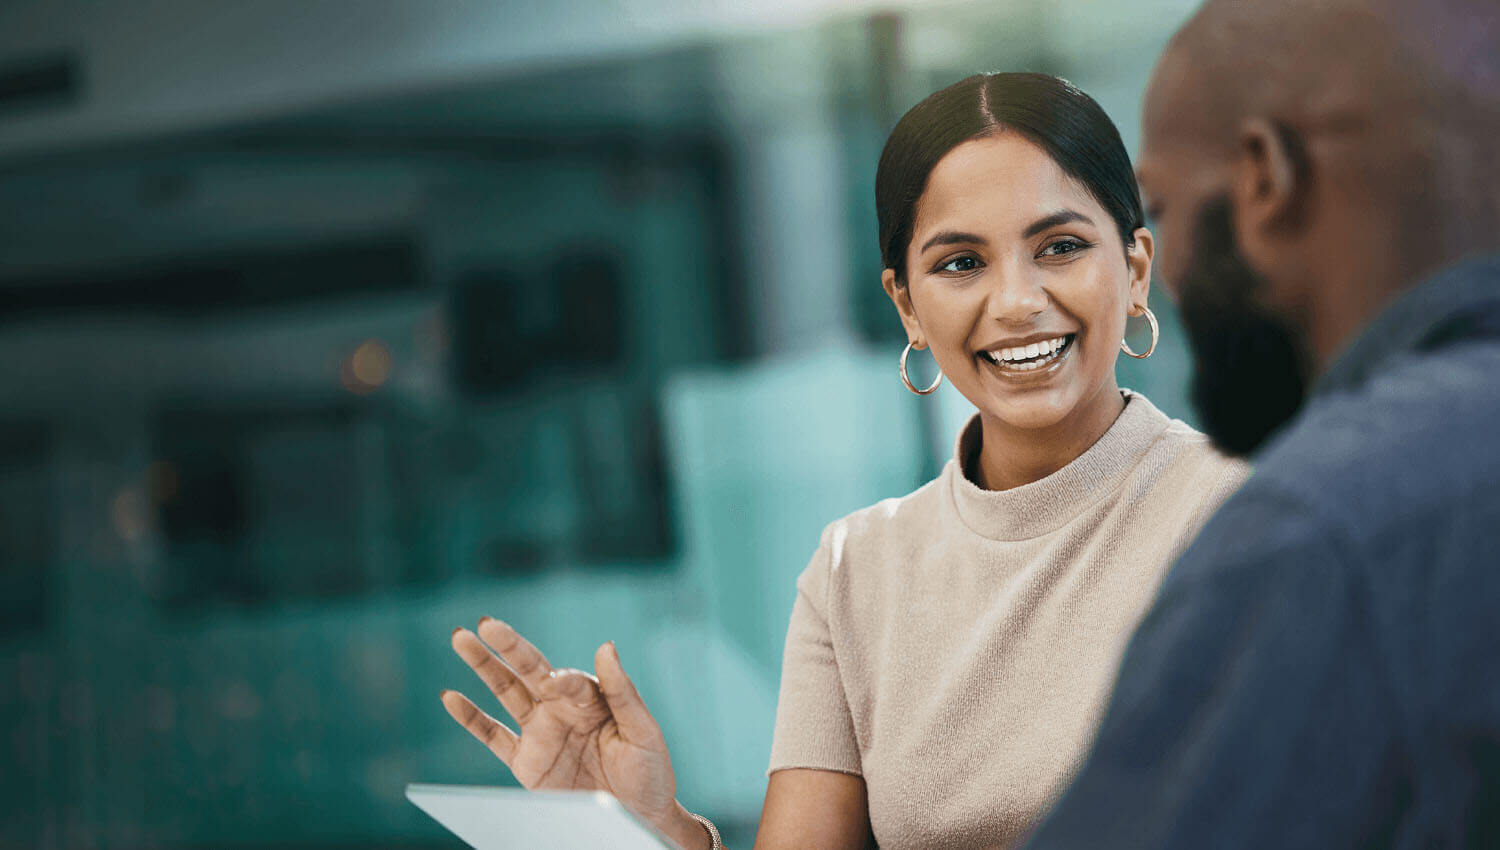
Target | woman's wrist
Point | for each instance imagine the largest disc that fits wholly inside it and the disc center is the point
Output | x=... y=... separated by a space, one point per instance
x=687 y=831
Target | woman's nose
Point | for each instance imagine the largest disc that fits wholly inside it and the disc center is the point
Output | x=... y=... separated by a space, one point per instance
x=1015 y=297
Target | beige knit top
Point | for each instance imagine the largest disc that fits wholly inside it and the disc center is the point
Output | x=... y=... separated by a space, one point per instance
x=956 y=646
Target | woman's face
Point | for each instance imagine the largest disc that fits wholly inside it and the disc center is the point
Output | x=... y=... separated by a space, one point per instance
x=1018 y=281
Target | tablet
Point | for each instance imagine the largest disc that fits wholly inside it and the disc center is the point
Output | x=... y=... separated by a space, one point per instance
x=514 y=818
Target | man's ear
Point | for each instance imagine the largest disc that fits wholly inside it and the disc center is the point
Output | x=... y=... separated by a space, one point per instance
x=901 y=297
x=1268 y=190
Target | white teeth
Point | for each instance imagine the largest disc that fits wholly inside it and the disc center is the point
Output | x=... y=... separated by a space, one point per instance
x=1044 y=350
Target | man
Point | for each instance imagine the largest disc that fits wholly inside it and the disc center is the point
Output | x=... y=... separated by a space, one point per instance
x=1322 y=667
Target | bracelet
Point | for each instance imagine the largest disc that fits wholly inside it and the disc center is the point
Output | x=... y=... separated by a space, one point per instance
x=713 y=832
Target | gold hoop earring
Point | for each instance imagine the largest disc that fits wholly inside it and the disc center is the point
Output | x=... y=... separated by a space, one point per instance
x=1155 y=335
x=906 y=380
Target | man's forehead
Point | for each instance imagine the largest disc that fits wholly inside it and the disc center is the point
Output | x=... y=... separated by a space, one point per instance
x=1156 y=113
x=1177 y=95
x=1187 y=120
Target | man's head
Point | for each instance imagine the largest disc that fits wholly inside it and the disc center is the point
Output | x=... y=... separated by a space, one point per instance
x=1305 y=161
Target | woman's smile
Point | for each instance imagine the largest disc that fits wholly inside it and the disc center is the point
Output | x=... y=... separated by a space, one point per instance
x=1028 y=363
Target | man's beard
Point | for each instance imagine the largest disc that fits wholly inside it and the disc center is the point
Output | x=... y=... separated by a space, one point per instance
x=1249 y=375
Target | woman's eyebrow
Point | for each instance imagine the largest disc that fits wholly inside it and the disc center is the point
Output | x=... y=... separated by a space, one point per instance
x=953 y=237
x=1059 y=217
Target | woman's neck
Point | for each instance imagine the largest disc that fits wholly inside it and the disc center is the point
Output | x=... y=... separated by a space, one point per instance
x=1010 y=457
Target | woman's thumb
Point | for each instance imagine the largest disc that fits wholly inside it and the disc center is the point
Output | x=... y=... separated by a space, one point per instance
x=636 y=723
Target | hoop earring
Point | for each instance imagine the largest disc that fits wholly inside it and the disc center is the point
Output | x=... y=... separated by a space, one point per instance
x=906 y=380
x=1155 y=335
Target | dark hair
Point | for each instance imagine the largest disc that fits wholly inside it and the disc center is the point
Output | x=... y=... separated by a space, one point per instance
x=1051 y=112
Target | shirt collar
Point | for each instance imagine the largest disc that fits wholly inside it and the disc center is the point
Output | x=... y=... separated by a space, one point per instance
x=1446 y=304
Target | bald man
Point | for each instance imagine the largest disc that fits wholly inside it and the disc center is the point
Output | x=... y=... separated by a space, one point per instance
x=1322 y=666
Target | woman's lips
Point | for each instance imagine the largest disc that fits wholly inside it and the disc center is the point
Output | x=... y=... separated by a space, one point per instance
x=1026 y=360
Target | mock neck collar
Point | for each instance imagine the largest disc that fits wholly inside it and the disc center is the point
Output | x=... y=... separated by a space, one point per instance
x=1045 y=505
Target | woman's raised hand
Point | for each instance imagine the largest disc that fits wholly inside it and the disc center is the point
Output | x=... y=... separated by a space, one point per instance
x=575 y=732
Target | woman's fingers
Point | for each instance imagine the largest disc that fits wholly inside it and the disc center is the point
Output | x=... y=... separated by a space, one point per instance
x=495 y=675
x=635 y=722
x=527 y=662
x=490 y=732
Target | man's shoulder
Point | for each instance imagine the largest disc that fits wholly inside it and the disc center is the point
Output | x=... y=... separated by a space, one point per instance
x=1428 y=415
x=1404 y=449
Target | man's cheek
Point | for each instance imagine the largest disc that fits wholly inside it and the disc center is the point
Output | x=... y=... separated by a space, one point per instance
x=1167 y=264
x=1169 y=275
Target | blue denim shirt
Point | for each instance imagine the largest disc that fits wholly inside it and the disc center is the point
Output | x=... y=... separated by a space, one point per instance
x=1322 y=666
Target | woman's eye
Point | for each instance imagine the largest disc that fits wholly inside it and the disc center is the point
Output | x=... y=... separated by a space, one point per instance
x=1064 y=246
x=960 y=264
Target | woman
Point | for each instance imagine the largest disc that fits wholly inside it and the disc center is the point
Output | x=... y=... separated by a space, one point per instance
x=950 y=652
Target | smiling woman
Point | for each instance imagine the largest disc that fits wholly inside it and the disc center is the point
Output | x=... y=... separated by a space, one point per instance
x=951 y=651
x=1015 y=255
x=1007 y=205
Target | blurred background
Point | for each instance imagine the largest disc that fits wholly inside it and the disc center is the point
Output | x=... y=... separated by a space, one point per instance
x=329 y=326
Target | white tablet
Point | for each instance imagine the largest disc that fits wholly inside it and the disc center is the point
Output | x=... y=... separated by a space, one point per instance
x=514 y=818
